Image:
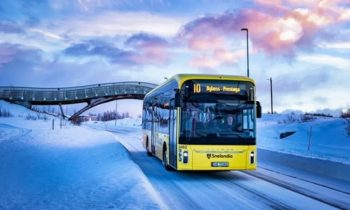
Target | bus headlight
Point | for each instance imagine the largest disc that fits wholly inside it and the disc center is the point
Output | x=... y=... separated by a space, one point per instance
x=252 y=157
x=185 y=160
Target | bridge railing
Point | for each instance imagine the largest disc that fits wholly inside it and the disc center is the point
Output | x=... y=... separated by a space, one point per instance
x=74 y=94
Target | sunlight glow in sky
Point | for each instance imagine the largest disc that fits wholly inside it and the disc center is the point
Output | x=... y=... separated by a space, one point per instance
x=302 y=45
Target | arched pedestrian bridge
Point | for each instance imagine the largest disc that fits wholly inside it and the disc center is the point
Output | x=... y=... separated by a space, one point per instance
x=93 y=95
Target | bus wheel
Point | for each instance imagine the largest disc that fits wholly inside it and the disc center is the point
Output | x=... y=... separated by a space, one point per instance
x=165 y=161
x=148 y=152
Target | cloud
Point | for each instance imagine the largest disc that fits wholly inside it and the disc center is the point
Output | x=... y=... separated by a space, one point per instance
x=287 y=3
x=47 y=34
x=207 y=61
x=19 y=64
x=10 y=26
x=85 y=5
x=12 y=52
x=112 y=23
x=140 y=49
x=209 y=37
x=301 y=83
x=336 y=45
x=152 y=49
x=144 y=39
x=313 y=89
x=100 y=48
x=22 y=66
x=7 y=53
x=326 y=60
x=274 y=29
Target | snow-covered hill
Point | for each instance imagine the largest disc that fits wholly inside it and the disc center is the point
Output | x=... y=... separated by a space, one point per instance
x=323 y=138
x=66 y=168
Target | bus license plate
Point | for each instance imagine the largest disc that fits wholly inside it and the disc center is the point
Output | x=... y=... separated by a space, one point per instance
x=219 y=164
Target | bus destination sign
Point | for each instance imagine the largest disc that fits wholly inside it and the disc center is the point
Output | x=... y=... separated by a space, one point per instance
x=214 y=88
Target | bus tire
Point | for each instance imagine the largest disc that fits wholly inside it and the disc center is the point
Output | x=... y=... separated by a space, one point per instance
x=165 y=161
x=148 y=152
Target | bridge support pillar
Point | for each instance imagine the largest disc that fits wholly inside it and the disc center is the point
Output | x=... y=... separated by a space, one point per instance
x=62 y=113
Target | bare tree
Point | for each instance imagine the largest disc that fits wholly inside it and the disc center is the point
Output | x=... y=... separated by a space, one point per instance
x=346 y=116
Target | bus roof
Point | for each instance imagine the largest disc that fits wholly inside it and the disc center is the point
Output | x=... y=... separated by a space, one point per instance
x=181 y=78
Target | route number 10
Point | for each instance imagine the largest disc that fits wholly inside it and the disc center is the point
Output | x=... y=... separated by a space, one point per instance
x=196 y=88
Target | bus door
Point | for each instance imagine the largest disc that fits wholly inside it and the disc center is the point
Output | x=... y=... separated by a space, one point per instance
x=153 y=130
x=172 y=134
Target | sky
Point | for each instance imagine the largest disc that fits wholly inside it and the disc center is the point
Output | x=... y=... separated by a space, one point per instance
x=303 y=46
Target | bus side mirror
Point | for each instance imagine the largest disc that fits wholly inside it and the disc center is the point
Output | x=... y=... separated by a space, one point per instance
x=177 y=97
x=251 y=94
x=258 y=109
x=186 y=92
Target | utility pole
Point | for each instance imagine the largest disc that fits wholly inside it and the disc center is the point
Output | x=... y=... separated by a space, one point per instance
x=116 y=112
x=271 y=95
x=246 y=29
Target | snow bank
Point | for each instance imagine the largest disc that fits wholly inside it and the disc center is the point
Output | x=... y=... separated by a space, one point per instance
x=14 y=109
x=314 y=165
x=68 y=168
x=322 y=138
x=126 y=122
x=24 y=118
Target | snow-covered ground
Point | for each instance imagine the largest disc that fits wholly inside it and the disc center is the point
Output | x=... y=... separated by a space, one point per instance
x=87 y=168
x=66 y=168
x=322 y=138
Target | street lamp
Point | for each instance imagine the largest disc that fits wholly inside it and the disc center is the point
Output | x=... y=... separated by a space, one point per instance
x=246 y=29
x=271 y=95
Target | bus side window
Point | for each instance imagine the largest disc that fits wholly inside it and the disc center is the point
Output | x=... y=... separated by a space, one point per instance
x=247 y=119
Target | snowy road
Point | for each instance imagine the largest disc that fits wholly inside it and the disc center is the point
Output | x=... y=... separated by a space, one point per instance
x=266 y=188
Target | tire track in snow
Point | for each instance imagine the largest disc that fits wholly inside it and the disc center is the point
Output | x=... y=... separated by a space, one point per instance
x=225 y=191
x=299 y=190
x=305 y=180
x=227 y=187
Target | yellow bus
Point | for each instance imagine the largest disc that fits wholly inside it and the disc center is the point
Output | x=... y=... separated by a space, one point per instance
x=202 y=122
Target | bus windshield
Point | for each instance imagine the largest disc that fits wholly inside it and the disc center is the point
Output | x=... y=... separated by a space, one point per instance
x=226 y=122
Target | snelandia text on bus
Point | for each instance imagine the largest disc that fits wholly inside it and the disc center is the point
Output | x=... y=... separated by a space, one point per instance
x=219 y=156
